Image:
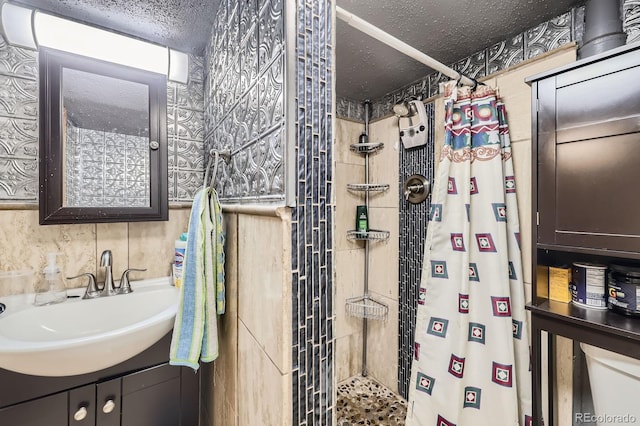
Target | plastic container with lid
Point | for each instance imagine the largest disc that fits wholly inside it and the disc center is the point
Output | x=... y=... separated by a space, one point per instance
x=624 y=289
x=16 y=282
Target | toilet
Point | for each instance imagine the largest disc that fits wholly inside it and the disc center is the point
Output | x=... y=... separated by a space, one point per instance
x=615 y=386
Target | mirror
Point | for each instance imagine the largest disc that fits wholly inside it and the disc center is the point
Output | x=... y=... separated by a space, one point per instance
x=103 y=141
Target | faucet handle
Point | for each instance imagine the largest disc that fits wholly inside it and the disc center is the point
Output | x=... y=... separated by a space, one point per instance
x=92 y=288
x=125 y=286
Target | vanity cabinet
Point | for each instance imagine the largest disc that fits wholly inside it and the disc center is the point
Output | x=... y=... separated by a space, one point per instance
x=143 y=391
x=585 y=168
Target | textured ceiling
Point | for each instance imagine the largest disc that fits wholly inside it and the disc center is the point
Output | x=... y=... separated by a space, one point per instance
x=445 y=30
x=365 y=68
x=184 y=25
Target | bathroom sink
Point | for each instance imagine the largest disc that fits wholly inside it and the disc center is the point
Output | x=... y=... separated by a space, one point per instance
x=81 y=336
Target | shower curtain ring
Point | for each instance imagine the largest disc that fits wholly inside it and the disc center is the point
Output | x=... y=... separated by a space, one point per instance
x=459 y=79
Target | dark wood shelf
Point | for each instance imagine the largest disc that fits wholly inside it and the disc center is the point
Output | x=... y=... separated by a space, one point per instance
x=590 y=251
x=603 y=320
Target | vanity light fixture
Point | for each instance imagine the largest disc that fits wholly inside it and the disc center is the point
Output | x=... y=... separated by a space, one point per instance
x=32 y=28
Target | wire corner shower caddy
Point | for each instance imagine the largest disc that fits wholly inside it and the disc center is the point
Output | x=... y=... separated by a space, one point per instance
x=365 y=306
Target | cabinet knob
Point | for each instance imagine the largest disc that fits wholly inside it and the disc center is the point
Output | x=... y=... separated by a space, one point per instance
x=108 y=406
x=80 y=414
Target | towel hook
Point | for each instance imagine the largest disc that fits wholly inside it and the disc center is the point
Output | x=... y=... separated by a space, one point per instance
x=214 y=155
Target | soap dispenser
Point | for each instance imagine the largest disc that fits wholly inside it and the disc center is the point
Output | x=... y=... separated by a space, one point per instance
x=51 y=289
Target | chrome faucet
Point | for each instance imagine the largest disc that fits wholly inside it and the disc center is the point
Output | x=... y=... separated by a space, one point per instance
x=106 y=261
x=109 y=288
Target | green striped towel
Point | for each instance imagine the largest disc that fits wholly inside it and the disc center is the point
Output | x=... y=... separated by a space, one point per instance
x=202 y=295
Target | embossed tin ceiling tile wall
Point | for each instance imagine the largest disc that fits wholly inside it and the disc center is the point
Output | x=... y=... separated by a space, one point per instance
x=420 y=89
x=189 y=124
x=231 y=83
x=248 y=15
x=18 y=97
x=505 y=54
x=270 y=32
x=19 y=179
x=249 y=57
x=171 y=94
x=217 y=110
x=474 y=66
x=233 y=46
x=548 y=36
x=240 y=163
x=245 y=118
x=272 y=166
x=220 y=139
x=196 y=68
x=434 y=82
x=172 y=188
x=271 y=96
x=190 y=95
x=190 y=155
x=172 y=147
x=188 y=183
x=18 y=138
x=171 y=121
x=19 y=62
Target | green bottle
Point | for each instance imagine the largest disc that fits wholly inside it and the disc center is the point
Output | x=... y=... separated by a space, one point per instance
x=362 y=221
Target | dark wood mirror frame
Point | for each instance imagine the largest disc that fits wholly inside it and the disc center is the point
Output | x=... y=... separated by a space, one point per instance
x=51 y=196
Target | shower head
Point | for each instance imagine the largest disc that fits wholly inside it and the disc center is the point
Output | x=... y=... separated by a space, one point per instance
x=401 y=109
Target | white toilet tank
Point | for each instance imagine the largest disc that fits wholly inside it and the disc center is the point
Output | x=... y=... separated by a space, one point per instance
x=615 y=386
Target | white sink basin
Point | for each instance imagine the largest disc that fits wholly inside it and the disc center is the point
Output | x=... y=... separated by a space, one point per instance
x=81 y=336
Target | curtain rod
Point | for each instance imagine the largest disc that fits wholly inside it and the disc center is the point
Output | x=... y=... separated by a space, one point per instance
x=400 y=46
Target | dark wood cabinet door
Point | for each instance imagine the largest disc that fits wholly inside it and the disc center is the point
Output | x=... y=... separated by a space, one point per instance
x=108 y=403
x=48 y=411
x=82 y=406
x=152 y=397
x=588 y=155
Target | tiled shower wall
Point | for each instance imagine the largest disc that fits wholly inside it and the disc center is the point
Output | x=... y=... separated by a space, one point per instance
x=244 y=109
x=312 y=218
x=413 y=225
x=19 y=128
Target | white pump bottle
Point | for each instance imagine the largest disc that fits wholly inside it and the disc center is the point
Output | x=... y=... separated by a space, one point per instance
x=51 y=289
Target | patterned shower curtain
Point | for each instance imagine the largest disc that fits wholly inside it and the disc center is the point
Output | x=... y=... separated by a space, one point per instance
x=471 y=351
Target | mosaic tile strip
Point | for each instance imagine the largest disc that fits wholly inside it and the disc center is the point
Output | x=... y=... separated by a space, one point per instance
x=244 y=105
x=312 y=220
x=533 y=42
x=414 y=219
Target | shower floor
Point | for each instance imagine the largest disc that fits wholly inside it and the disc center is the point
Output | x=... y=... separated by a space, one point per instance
x=363 y=401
